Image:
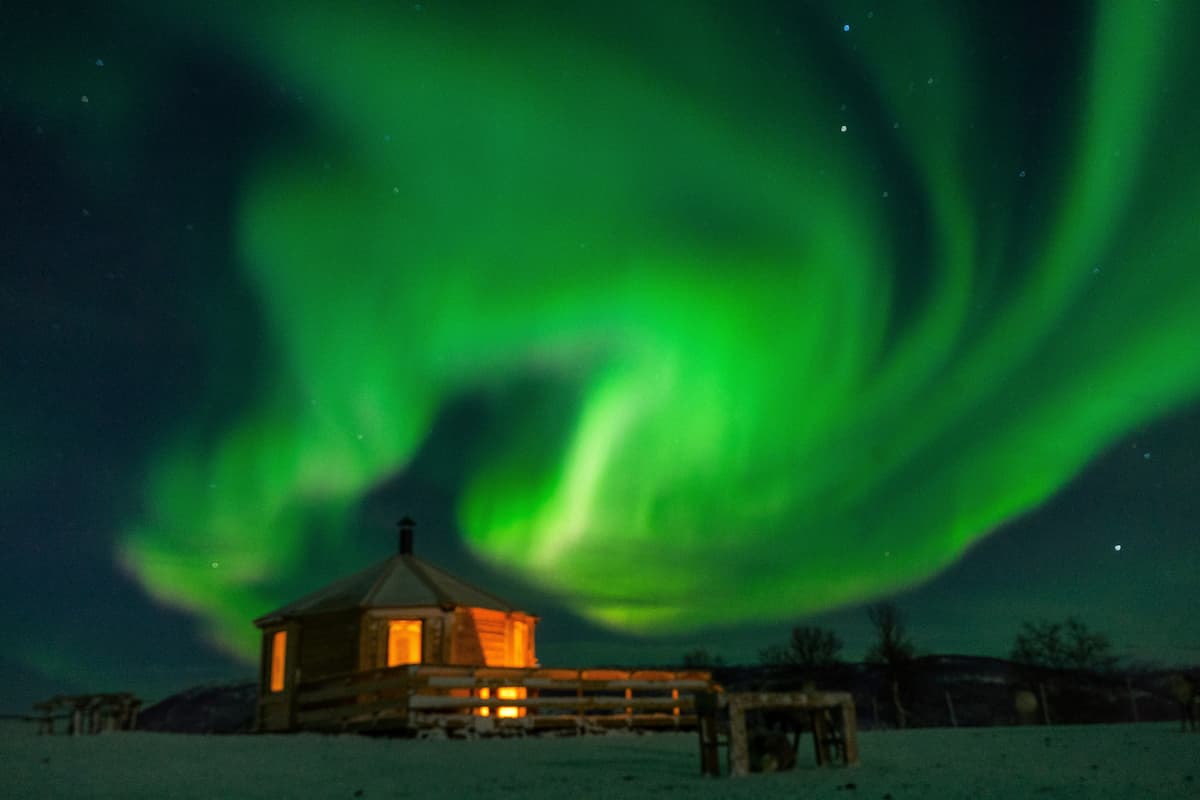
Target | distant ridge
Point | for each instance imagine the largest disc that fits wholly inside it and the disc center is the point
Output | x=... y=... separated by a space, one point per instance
x=209 y=708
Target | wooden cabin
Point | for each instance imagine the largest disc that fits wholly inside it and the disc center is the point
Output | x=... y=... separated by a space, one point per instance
x=400 y=611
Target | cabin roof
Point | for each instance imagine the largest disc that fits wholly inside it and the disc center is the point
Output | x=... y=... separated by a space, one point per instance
x=402 y=581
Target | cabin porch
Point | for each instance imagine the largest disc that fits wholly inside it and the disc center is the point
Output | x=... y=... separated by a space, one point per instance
x=413 y=698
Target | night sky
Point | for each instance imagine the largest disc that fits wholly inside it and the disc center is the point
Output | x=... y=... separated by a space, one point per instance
x=678 y=323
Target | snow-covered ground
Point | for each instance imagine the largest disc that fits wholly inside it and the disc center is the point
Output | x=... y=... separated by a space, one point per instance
x=1094 y=762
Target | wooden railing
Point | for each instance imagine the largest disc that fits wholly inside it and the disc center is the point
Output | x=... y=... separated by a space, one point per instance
x=414 y=697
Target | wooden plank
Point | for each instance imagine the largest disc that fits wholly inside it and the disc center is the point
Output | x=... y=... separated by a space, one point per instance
x=474 y=682
x=338 y=714
x=665 y=685
x=466 y=682
x=499 y=673
x=801 y=700
x=451 y=722
x=605 y=675
x=357 y=679
x=564 y=674
x=427 y=702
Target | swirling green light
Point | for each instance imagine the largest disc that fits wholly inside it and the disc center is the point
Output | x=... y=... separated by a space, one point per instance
x=700 y=254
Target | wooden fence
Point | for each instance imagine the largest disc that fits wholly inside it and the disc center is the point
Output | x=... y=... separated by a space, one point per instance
x=492 y=699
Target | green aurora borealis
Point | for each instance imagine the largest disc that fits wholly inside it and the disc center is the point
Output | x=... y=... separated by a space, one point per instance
x=778 y=366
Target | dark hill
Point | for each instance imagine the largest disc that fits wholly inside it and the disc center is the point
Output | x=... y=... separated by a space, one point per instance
x=211 y=708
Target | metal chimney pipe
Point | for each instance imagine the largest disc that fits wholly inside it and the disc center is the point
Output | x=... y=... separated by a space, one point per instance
x=406 y=536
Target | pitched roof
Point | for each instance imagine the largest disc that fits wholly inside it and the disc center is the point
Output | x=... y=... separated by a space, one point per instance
x=402 y=581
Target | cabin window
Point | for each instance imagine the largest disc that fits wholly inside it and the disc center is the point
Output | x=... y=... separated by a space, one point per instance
x=404 y=642
x=278 y=660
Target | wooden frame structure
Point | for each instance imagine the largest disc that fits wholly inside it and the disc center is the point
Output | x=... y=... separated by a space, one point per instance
x=88 y=713
x=831 y=716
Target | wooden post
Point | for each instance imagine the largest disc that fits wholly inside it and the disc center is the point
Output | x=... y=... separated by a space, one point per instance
x=1045 y=706
x=291 y=695
x=406 y=693
x=708 y=728
x=950 y=705
x=901 y=714
x=850 y=732
x=739 y=749
x=96 y=723
x=76 y=721
x=820 y=736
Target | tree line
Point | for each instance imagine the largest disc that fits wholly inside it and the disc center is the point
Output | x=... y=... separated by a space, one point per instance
x=1067 y=645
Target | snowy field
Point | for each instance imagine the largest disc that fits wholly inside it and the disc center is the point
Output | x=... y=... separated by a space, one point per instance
x=1094 y=762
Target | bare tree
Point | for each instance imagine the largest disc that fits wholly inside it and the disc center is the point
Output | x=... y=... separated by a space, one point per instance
x=810 y=647
x=814 y=647
x=893 y=649
x=1063 y=645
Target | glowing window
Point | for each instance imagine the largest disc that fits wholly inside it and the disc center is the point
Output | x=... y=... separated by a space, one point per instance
x=278 y=660
x=404 y=642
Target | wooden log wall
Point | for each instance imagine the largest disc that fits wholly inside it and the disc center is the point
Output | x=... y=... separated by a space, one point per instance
x=329 y=644
x=465 y=645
